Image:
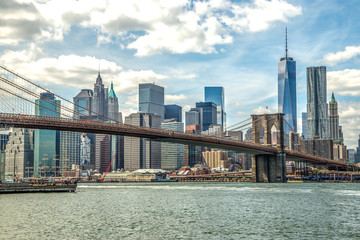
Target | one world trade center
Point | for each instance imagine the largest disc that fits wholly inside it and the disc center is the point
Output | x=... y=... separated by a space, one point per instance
x=287 y=90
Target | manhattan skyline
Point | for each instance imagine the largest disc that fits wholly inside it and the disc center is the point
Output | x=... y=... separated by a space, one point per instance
x=184 y=47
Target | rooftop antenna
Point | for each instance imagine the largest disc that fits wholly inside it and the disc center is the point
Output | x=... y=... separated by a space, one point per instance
x=286 y=49
x=99 y=68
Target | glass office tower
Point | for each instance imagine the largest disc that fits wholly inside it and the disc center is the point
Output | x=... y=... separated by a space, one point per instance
x=83 y=103
x=172 y=154
x=151 y=99
x=209 y=114
x=287 y=91
x=46 y=142
x=217 y=96
x=173 y=111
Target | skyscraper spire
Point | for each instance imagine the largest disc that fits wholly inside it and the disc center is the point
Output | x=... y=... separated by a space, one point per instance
x=99 y=79
x=286 y=49
x=111 y=92
x=332 y=98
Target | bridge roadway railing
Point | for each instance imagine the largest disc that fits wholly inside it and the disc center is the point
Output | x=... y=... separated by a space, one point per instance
x=96 y=126
x=294 y=155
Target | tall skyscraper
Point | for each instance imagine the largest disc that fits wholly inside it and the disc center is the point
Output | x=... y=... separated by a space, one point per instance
x=102 y=151
x=317 y=109
x=19 y=158
x=113 y=106
x=140 y=153
x=217 y=96
x=117 y=142
x=69 y=150
x=357 y=154
x=209 y=114
x=151 y=99
x=100 y=99
x=333 y=118
x=173 y=111
x=194 y=120
x=46 y=142
x=83 y=103
x=303 y=123
x=172 y=154
x=287 y=89
x=86 y=151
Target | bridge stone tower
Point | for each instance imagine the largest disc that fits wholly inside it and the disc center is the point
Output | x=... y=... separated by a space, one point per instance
x=265 y=167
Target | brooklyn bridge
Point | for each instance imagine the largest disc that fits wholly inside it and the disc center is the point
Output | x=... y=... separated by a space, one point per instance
x=18 y=96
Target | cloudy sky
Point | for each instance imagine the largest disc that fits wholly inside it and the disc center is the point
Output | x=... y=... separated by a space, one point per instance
x=185 y=45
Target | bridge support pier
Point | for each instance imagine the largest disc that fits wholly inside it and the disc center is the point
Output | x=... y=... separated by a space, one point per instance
x=269 y=168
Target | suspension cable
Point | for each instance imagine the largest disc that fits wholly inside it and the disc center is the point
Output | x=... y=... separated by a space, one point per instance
x=58 y=96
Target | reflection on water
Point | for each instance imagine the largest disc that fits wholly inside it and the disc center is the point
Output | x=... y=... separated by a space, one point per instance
x=186 y=211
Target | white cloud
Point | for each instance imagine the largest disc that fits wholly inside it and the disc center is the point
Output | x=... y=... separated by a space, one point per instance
x=155 y=26
x=344 y=82
x=21 y=21
x=349 y=120
x=332 y=59
x=170 y=99
x=258 y=16
x=262 y=110
x=186 y=76
x=75 y=71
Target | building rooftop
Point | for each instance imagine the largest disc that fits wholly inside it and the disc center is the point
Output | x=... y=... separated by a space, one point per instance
x=332 y=98
x=111 y=92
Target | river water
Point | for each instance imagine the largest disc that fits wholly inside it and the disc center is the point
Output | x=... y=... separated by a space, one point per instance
x=186 y=211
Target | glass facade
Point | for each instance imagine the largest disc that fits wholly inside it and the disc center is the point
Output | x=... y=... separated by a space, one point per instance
x=173 y=111
x=209 y=114
x=140 y=153
x=287 y=92
x=217 y=96
x=4 y=138
x=303 y=123
x=317 y=107
x=172 y=154
x=193 y=117
x=46 y=142
x=151 y=99
x=69 y=149
x=84 y=102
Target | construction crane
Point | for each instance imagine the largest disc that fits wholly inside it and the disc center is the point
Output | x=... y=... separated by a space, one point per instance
x=108 y=168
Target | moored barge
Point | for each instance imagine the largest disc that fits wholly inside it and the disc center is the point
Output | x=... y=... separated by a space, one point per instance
x=35 y=188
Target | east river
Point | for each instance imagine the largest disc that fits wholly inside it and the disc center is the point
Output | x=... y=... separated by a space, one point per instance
x=186 y=211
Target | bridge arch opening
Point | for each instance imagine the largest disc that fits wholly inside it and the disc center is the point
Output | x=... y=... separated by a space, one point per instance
x=274 y=135
x=262 y=134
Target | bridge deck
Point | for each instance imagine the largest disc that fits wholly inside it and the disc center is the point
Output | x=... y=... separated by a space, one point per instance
x=64 y=124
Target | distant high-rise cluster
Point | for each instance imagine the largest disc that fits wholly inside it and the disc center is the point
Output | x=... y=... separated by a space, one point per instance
x=320 y=122
x=47 y=153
